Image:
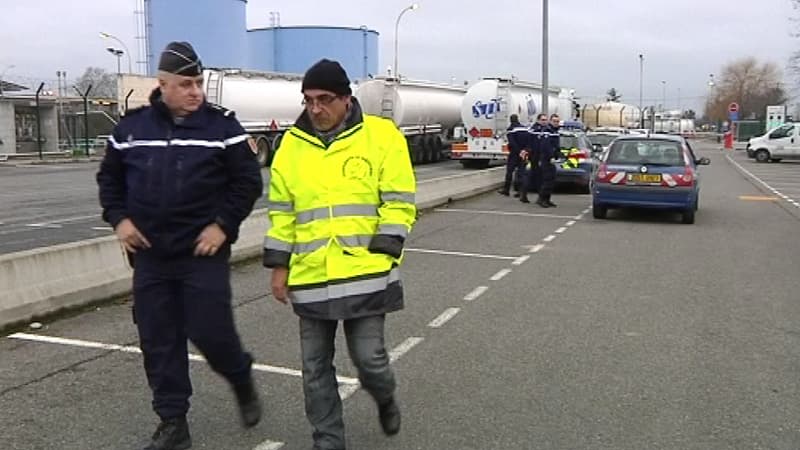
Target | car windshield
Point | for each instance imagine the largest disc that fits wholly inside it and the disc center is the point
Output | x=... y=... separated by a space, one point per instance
x=602 y=139
x=567 y=141
x=631 y=151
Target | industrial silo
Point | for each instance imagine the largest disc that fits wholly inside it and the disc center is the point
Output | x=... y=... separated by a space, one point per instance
x=216 y=29
x=294 y=49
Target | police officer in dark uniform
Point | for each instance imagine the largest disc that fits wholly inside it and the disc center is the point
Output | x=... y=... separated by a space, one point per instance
x=531 y=157
x=517 y=140
x=550 y=147
x=178 y=178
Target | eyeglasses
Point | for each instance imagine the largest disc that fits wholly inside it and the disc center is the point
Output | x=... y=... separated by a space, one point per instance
x=321 y=101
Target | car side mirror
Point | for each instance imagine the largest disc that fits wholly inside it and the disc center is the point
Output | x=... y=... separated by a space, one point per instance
x=703 y=161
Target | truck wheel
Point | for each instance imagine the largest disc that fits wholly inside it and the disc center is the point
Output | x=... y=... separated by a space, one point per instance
x=264 y=150
x=762 y=156
x=430 y=149
x=417 y=150
x=437 y=145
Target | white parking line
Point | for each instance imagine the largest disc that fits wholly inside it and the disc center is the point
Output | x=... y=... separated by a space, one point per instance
x=571 y=223
x=549 y=238
x=43 y=225
x=477 y=292
x=129 y=349
x=561 y=230
x=468 y=255
x=444 y=317
x=102 y=229
x=521 y=260
x=763 y=183
x=500 y=275
x=500 y=213
x=537 y=248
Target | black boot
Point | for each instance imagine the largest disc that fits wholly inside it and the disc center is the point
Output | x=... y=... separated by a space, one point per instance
x=551 y=204
x=503 y=192
x=543 y=203
x=389 y=415
x=171 y=434
x=249 y=403
x=524 y=198
x=516 y=194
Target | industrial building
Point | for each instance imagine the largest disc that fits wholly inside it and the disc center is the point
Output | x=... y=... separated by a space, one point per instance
x=218 y=31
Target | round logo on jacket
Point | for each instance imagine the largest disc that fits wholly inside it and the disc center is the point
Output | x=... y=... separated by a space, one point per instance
x=356 y=167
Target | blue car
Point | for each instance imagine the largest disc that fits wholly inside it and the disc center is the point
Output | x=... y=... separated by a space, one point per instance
x=648 y=171
x=574 y=162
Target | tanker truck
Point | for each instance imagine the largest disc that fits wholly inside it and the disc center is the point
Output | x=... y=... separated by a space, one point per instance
x=426 y=113
x=485 y=112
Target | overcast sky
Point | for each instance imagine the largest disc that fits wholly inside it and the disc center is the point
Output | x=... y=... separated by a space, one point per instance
x=594 y=45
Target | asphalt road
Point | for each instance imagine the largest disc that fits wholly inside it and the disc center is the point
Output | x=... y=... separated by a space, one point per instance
x=42 y=205
x=524 y=329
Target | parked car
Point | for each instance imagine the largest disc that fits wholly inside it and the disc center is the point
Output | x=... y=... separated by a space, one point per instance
x=654 y=171
x=779 y=143
x=576 y=162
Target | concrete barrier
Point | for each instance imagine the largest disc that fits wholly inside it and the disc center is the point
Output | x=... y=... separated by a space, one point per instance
x=46 y=280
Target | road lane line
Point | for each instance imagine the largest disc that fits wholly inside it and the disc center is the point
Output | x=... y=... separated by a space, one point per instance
x=444 y=317
x=468 y=255
x=500 y=213
x=75 y=219
x=571 y=223
x=130 y=349
x=561 y=230
x=43 y=225
x=521 y=260
x=537 y=248
x=549 y=238
x=269 y=445
x=763 y=183
x=477 y=292
x=500 y=275
x=102 y=229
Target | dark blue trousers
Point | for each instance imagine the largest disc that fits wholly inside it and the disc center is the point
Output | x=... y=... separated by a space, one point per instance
x=548 y=171
x=180 y=299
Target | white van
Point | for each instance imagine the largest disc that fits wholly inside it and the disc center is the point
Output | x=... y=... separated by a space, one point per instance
x=777 y=144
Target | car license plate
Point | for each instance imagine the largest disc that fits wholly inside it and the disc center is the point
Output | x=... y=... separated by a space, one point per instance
x=645 y=177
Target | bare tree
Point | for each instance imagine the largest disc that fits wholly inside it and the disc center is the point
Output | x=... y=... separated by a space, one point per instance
x=750 y=84
x=104 y=84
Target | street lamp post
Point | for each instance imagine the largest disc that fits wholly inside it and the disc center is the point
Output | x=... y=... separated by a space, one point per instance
x=118 y=53
x=641 y=74
x=545 y=56
x=663 y=95
x=396 y=30
x=111 y=36
x=3 y=74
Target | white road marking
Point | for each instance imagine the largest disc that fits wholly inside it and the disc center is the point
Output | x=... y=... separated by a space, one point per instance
x=537 y=248
x=347 y=390
x=587 y=210
x=102 y=229
x=43 y=225
x=561 y=230
x=444 y=317
x=500 y=275
x=477 y=292
x=549 y=238
x=469 y=255
x=763 y=183
x=521 y=260
x=75 y=219
x=500 y=213
x=130 y=349
x=269 y=445
x=571 y=223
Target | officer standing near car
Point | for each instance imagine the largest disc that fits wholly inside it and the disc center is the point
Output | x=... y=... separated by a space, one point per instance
x=551 y=145
x=341 y=204
x=177 y=180
x=531 y=157
x=517 y=141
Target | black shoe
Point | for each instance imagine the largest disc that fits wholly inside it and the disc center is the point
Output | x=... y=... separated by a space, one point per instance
x=171 y=434
x=516 y=194
x=249 y=403
x=524 y=199
x=389 y=415
x=542 y=203
x=551 y=204
x=503 y=192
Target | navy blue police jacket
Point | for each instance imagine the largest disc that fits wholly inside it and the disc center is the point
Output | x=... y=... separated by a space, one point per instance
x=174 y=179
x=550 y=144
x=517 y=139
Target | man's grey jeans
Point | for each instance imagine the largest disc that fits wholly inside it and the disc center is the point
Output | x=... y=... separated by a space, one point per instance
x=368 y=353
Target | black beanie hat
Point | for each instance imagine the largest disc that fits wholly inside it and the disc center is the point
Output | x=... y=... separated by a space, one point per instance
x=329 y=76
x=180 y=58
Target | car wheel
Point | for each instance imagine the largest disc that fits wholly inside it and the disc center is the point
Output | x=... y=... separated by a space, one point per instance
x=585 y=188
x=688 y=216
x=599 y=211
x=762 y=156
x=697 y=203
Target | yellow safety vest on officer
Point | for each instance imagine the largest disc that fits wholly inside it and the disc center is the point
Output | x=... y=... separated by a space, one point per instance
x=340 y=214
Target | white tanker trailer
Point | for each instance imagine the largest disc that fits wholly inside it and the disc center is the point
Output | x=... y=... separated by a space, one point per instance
x=486 y=110
x=427 y=113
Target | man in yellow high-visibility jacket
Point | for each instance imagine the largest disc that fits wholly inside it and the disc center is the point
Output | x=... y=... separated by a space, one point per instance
x=341 y=203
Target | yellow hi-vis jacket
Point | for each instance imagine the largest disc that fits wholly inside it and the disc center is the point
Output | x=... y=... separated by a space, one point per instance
x=340 y=215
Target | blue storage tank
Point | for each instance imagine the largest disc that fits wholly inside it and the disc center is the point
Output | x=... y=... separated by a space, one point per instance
x=294 y=49
x=215 y=28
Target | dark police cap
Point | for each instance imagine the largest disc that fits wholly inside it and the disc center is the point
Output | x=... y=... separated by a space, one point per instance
x=180 y=58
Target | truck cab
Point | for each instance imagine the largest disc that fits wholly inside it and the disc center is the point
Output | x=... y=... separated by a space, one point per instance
x=779 y=143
